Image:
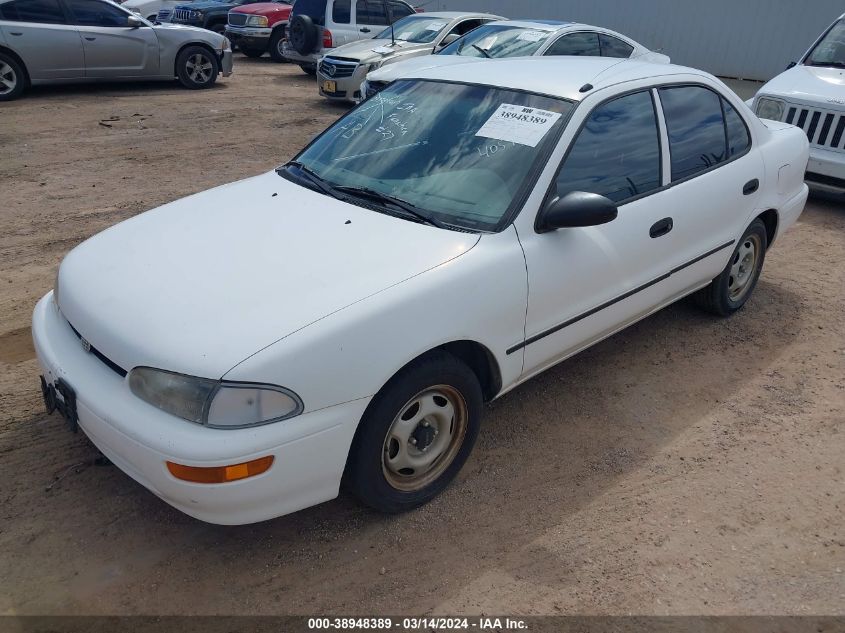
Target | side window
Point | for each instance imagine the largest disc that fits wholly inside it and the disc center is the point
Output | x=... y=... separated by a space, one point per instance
x=465 y=27
x=617 y=152
x=696 y=129
x=398 y=10
x=576 y=44
x=614 y=47
x=371 y=12
x=96 y=13
x=40 y=11
x=342 y=11
x=738 y=139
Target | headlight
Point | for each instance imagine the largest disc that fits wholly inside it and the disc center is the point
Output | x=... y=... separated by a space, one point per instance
x=214 y=403
x=225 y=45
x=373 y=66
x=257 y=20
x=770 y=109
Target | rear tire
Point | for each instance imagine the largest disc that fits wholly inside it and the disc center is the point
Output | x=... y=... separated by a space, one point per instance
x=728 y=292
x=255 y=53
x=416 y=434
x=275 y=47
x=197 y=67
x=12 y=78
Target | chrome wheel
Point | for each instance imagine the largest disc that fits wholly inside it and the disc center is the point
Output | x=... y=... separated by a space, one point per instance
x=8 y=78
x=424 y=438
x=199 y=68
x=743 y=267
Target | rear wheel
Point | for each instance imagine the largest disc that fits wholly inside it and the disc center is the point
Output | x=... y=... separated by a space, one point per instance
x=197 y=67
x=252 y=52
x=277 y=40
x=728 y=292
x=416 y=434
x=12 y=78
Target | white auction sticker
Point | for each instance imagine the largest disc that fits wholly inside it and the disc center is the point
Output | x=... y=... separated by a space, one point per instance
x=435 y=26
x=382 y=50
x=518 y=124
x=404 y=35
x=531 y=36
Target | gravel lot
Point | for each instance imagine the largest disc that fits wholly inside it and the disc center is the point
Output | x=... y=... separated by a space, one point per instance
x=686 y=466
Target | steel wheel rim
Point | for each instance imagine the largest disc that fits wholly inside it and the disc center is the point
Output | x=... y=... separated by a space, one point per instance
x=743 y=267
x=280 y=47
x=199 y=68
x=8 y=78
x=436 y=420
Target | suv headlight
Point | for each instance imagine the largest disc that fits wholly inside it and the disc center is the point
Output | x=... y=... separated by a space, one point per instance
x=770 y=109
x=218 y=404
x=257 y=20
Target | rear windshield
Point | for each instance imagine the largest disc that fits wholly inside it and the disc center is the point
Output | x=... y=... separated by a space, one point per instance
x=314 y=9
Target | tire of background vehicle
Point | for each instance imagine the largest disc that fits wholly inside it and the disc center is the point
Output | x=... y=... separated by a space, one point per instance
x=275 y=46
x=728 y=292
x=435 y=403
x=308 y=69
x=219 y=28
x=252 y=52
x=12 y=78
x=302 y=34
x=197 y=67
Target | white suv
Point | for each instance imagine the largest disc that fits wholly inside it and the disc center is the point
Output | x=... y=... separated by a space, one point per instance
x=318 y=26
x=809 y=94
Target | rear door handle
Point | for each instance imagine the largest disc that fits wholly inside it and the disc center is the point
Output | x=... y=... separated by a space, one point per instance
x=90 y=39
x=750 y=187
x=365 y=30
x=16 y=33
x=661 y=227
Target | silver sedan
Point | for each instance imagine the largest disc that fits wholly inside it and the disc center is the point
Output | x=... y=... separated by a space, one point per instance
x=68 y=41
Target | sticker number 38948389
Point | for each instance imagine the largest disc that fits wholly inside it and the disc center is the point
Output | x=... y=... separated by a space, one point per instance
x=518 y=124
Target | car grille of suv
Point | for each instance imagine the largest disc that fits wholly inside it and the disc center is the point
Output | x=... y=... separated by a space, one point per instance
x=824 y=128
x=337 y=68
x=183 y=15
x=163 y=15
x=237 y=19
x=375 y=87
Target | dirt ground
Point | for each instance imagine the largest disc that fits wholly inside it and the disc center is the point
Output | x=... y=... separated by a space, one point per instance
x=689 y=465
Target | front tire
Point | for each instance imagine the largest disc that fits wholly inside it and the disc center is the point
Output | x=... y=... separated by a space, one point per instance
x=252 y=52
x=728 y=292
x=12 y=78
x=197 y=67
x=276 y=41
x=416 y=434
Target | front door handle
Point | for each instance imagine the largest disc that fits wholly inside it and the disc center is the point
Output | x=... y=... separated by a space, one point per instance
x=661 y=227
x=16 y=33
x=90 y=39
x=365 y=30
x=750 y=187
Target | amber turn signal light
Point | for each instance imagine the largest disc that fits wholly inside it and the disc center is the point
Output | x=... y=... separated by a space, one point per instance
x=220 y=474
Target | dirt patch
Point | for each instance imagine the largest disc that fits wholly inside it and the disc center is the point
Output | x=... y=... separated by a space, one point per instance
x=686 y=465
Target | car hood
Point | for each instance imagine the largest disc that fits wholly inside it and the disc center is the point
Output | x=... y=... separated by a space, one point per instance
x=809 y=84
x=198 y=285
x=368 y=51
x=409 y=67
x=263 y=8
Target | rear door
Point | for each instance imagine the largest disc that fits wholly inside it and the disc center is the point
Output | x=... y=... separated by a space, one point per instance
x=370 y=17
x=340 y=22
x=39 y=31
x=113 y=49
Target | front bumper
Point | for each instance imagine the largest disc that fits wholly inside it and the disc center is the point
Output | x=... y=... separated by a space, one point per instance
x=826 y=170
x=226 y=62
x=310 y=450
x=347 y=88
x=249 y=36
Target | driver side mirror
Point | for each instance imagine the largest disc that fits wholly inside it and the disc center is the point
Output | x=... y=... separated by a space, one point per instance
x=133 y=21
x=576 y=209
x=448 y=40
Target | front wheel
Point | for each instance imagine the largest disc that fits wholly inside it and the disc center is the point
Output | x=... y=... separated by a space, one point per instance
x=12 y=79
x=728 y=292
x=197 y=67
x=277 y=40
x=416 y=434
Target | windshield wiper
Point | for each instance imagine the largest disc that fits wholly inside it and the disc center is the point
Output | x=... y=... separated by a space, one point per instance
x=313 y=178
x=482 y=51
x=831 y=64
x=407 y=207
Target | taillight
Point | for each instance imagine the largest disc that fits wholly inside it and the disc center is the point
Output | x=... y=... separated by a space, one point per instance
x=327 y=38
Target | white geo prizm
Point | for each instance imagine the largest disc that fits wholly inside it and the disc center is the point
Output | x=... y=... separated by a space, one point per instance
x=344 y=317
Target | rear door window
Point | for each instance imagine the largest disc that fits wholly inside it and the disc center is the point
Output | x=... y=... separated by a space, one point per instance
x=614 y=47
x=576 y=44
x=371 y=12
x=696 y=129
x=342 y=11
x=398 y=10
x=39 y=11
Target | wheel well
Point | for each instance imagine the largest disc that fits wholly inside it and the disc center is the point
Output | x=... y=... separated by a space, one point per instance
x=17 y=58
x=481 y=361
x=179 y=52
x=770 y=219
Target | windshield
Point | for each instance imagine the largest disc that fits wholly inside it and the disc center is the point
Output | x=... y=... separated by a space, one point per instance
x=499 y=40
x=415 y=28
x=830 y=51
x=457 y=153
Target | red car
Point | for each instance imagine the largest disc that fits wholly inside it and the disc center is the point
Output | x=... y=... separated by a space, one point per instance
x=259 y=27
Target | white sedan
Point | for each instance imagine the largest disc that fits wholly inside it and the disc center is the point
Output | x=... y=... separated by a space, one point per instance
x=344 y=317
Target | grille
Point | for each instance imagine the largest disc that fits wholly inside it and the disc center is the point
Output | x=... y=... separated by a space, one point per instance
x=336 y=68
x=120 y=371
x=237 y=19
x=375 y=87
x=183 y=15
x=823 y=128
x=163 y=15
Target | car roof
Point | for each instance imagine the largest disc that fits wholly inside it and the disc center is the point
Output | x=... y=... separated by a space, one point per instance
x=451 y=15
x=540 y=25
x=554 y=76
